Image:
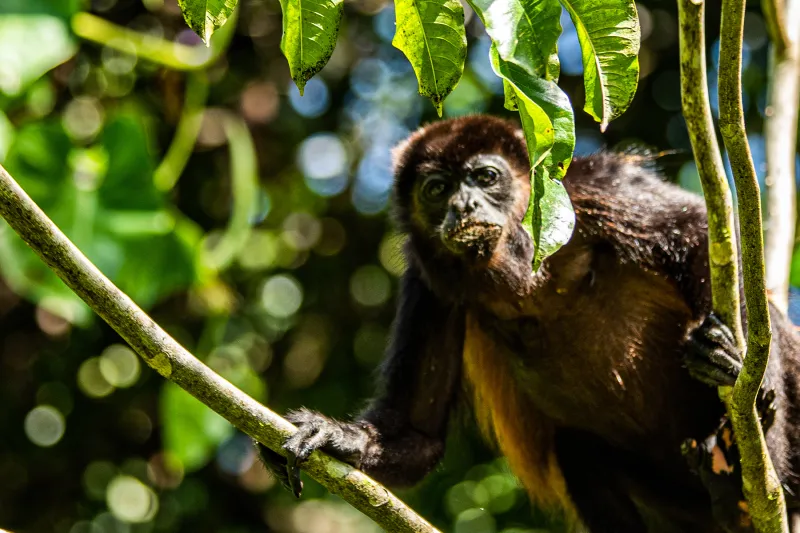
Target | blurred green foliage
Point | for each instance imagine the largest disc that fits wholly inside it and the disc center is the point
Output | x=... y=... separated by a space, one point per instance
x=252 y=223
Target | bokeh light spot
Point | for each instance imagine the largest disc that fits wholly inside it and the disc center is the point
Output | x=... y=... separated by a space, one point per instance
x=119 y=366
x=44 y=426
x=281 y=296
x=130 y=500
x=370 y=286
x=475 y=521
x=83 y=117
x=322 y=156
x=91 y=380
x=315 y=100
x=301 y=231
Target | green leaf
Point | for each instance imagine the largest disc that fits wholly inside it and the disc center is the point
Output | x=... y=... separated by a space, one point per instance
x=431 y=35
x=549 y=128
x=206 y=16
x=310 y=29
x=608 y=31
x=44 y=22
x=524 y=37
x=190 y=429
x=104 y=199
x=524 y=31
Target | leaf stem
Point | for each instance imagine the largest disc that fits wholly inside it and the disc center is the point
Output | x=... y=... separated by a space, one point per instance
x=172 y=361
x=760 y=482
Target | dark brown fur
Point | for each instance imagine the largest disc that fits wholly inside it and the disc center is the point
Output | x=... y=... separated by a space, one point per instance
x=576 y=370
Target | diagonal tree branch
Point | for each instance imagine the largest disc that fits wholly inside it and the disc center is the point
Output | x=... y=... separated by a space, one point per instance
x=171 y=360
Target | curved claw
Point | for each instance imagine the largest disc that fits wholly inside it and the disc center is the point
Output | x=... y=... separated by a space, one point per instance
x=293 y=476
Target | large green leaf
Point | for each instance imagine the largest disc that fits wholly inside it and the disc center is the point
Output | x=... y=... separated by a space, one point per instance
x=206 y=16
x=43 y=22
x=104 y=199
x=549 y=127
x=431 y=35
x=310 y=29
x=608 y=31
x=524 y=35
x=524 y=31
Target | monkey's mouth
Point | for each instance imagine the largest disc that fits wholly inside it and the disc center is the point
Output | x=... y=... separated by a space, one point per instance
x=475 y=236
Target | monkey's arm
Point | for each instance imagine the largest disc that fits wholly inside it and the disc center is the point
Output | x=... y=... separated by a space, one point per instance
x=400 y=437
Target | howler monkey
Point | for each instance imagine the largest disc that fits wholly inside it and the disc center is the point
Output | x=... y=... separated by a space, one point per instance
x=577 y=371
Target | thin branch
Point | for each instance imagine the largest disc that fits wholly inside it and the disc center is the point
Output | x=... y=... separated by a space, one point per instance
x=177 y=156
x=171 y=360
x=167 y=53
x=778 y=24
x=722 y=251
x=760 y=482
x=780 y=132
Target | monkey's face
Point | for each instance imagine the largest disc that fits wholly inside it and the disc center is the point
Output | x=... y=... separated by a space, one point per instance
x=466 y=207
x=462 y=184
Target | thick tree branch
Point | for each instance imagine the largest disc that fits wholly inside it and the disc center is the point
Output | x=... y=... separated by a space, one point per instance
x=171 y=360
x=760 y=482
x=780 y=132
x=722 y=251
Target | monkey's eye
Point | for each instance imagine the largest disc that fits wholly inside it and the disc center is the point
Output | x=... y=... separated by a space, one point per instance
x=434 y=188
x=486 y=176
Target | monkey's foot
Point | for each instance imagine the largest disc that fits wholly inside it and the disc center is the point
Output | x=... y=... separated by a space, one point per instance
x=343 y=440
x=711 y=353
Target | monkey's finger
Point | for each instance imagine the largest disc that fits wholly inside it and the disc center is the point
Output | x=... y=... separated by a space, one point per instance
x=717 y=331
x=296 y=443
x=315 y=442
x=710 y=374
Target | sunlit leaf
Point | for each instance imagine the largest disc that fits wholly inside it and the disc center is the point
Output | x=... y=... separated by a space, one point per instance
x=548 y=124
x=310 y=29
x=43 y=22
x=524 y=31
x=431 y=35
x=524 y=35
x=206 y=16
x=608 y=31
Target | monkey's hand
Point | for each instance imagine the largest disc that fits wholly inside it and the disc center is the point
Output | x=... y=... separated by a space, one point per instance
x=346 y=441
x=711 y=355
x=713 y=358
